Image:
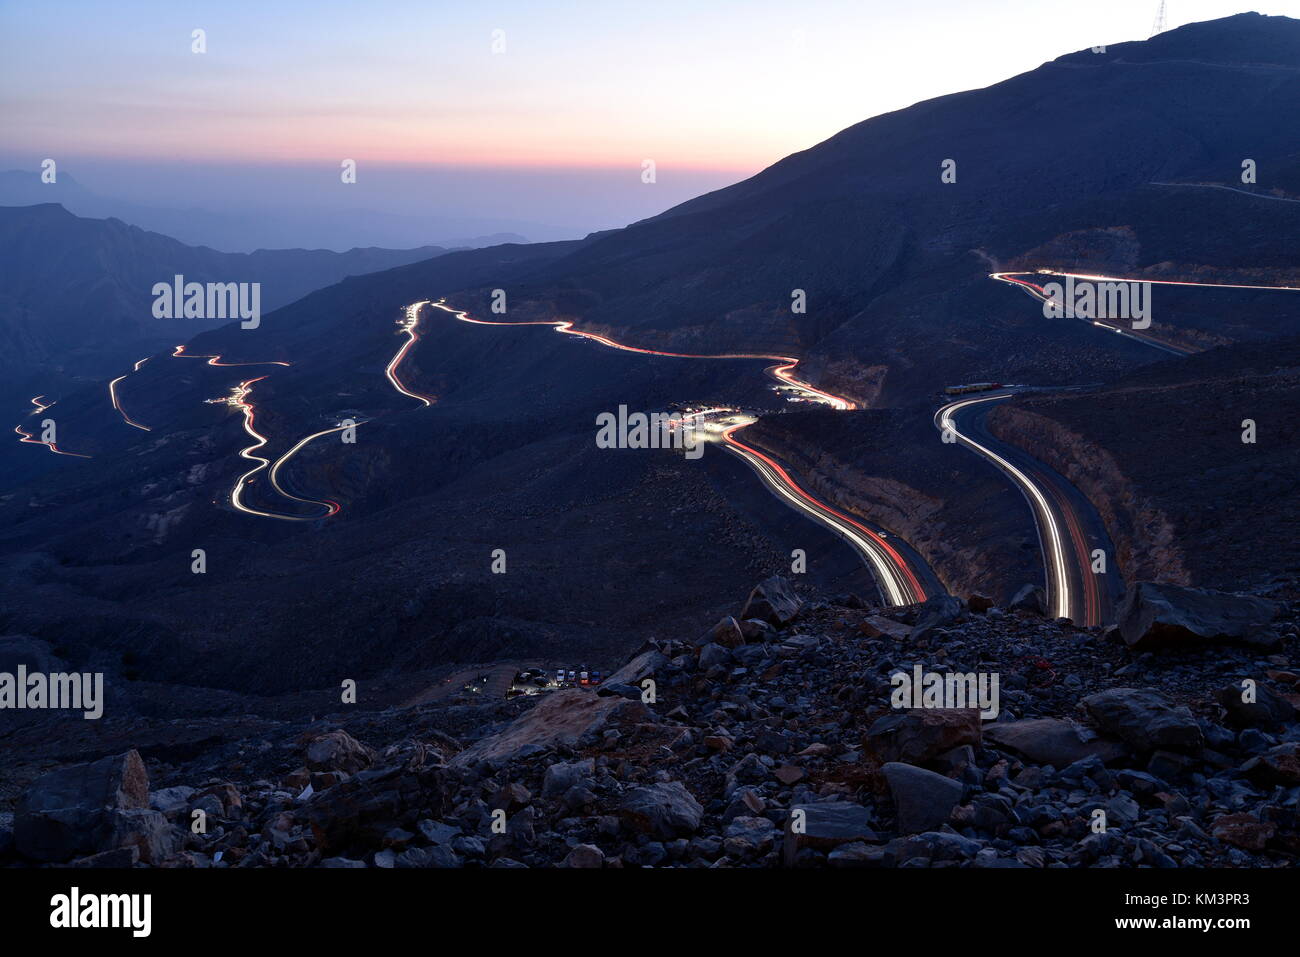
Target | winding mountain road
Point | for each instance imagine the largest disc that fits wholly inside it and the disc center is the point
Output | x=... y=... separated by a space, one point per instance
x=1069 y=528
x=896 y=575
x=898 y=581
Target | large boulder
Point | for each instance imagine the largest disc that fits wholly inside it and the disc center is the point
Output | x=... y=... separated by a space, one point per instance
x=773 y=600
x=74 y=811
x=662 y=810
x=916 y=736
x=1155 y=614
x=1146 y=720
x=563 y=719
x=1053 y=741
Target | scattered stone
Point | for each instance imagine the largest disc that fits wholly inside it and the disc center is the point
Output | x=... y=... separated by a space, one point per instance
x=935 y=613
x=826 y=826
x=878 y=626
x=1031 y=598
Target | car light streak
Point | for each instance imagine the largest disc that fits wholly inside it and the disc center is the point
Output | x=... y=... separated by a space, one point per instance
x=239 y=399
x=30 y=439
x=899 y=584
x=180 y=353
x=112 y=394
x=783 y=371
x=409 y=326
x=1038 y=292
x=1049 y=533
x=331 y=507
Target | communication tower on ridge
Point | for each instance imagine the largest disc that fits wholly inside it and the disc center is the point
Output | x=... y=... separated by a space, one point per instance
x=1159 y=25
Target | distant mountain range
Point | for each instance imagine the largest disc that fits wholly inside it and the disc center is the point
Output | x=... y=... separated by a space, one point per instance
x=76 y=292
x=252 y=225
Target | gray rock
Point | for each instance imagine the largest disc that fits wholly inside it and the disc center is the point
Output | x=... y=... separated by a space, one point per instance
x=726 y=632
x=145 y=829
x=1053 y=741
x=586 y=856
x=338 y=751
x=559 y=778
x=1122 y=810
x=68 y=813
x=749 y=837
x=773 y=600
x=923 y=800
x=1265 y=711
x=172 y=801
x=1154 y=614
x=663 y=810
x=1029 y=598
x=935 y=613
x=1146 y=720
x=859 y=855
x=439 y=856
x=562 y=719
x=825 y=826
x=643 y=666
x=714 y=655
x=122 y=857
x=917 y=736
x=436 y=832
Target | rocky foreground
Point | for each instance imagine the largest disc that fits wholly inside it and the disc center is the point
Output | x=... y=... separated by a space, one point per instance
x=768 y=741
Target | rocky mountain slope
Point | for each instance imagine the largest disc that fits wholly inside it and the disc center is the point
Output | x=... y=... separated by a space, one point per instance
x=767 y=740
x=894 y=260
